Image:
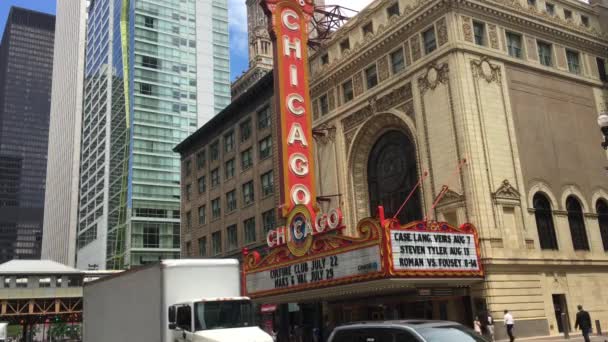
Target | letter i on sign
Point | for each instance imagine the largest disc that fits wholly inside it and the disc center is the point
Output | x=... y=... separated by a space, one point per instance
x=289 y=21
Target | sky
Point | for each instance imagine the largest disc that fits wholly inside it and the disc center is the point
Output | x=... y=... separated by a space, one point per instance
x=237 y=23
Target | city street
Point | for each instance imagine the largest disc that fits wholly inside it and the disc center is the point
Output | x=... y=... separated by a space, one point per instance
x=573 y=338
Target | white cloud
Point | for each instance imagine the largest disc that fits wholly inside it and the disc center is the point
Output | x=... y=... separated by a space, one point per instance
x=237 y=13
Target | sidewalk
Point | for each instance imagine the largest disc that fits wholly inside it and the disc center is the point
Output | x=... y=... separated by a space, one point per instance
x=573 y=338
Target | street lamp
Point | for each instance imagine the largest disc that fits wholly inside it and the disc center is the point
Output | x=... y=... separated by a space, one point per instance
x=602 y=121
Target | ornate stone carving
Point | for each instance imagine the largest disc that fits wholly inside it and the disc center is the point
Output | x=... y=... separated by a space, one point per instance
x=442 y=32
x=450 y=197
x=434 y=76
x=406 y=50
x=484 y=69
x=357 y=84
x=348 y=138
x=493 y=36
x=506 y=193
x=467 y=29
x=415 y=42
x=356 y=118
x=408 y=109
x=382 y=68
x=328 y=136
x=331 y=99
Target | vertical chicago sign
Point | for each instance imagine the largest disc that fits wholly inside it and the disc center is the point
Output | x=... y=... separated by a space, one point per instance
x=289 y=30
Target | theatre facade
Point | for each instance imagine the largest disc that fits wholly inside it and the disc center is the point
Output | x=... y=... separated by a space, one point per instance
x=482 y=114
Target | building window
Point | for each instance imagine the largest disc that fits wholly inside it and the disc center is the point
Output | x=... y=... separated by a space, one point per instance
x=371 y=76
x=202 y=185
x=602 y=216
x=216 y=243
x=21 y=282
x=264 y=118
x=44 y=282
x=230 y=169
x=188 y=192
x=544 y=53
x=145 y=89
x=7 y=282
x=347 y=91
x=325 y=59
x=232 y=241
x=368 y=28
x=345 y=45
x=573 y=58
x=514 y=44
x=202 y=215
x=249 y=225
x=188 y=221
x=188 y=167
x=245 y=130
x=215 y=177
x=550 y=8
x=268 y=220
x=397 y=61
x=479 y=29
x=532 y=3
x=149 y=22
x=267 y=183
x=229 y=142
x=149 y=62
x=214 y=150
x=246 y=159
x=202 y=246
x=231 y=201
x=585 y=20
x=324 y=104
x=248 y=195
x=265 y=147
x=430 y=44
x=577 y=224
x=151 y=237
x=567 y=14
x=176 y=235
x=392 y=9
x=216 y=210
x=602 y=69
x=201 y=159
x=544 y=222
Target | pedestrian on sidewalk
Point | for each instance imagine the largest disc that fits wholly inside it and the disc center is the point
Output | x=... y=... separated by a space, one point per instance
x=583 y=320
x=477 y=325
x=490 y=327
x=509 y=323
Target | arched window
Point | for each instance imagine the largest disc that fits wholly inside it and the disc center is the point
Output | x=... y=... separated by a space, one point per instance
x=392 y=174
x=577 y=224
x=544 y=222
x=602 y=217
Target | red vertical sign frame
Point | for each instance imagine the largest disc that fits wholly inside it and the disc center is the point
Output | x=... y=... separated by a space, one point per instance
x=288 y=26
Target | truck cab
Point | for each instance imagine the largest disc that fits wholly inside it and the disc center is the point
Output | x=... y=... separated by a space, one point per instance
x=215 y=320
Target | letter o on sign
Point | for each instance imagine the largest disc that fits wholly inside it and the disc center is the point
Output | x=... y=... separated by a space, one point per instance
x=334 y=218
x=298 y=163
x=300 y=194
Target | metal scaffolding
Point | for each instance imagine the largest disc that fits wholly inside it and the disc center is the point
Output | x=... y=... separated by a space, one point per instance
x=327 y=19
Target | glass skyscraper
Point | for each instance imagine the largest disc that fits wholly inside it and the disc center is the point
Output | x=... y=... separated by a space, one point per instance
x=155 y=71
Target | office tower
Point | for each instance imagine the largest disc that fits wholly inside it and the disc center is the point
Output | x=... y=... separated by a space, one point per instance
x=26 y=59
x=154 y=72
x=61 y=197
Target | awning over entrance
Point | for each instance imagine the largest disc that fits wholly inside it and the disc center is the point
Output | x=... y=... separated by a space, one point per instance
x=366 y=288
x=385 y=257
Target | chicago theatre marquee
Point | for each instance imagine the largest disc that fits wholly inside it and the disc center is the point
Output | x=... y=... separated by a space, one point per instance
x=399 y=97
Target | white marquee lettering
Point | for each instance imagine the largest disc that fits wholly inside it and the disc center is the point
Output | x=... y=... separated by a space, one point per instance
x=296 y=46
x=291 y=104
x=293 y=75
x=298 y=163
x=289 y=13
x=296 y=133
x=300 y=194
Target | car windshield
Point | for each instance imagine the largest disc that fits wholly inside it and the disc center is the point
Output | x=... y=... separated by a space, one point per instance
x=452 y=333
x=223 y=314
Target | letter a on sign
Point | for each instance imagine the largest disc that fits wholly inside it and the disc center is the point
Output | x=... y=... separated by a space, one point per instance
x=289 y=21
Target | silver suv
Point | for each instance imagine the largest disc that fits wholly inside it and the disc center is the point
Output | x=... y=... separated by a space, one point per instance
x=405 y=331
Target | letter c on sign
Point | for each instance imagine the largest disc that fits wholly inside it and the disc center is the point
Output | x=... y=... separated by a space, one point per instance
x=298 y=164
x=271 y=239
x=289 y=13
x=300 y=194
x=291 y=99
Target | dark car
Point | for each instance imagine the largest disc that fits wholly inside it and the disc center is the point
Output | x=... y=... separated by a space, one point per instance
x=405 y=331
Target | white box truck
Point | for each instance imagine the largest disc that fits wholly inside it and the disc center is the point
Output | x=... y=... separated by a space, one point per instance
x=174 y=300
x=3 y=332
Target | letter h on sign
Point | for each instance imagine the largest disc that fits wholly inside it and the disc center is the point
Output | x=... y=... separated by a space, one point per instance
x=289 y=30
